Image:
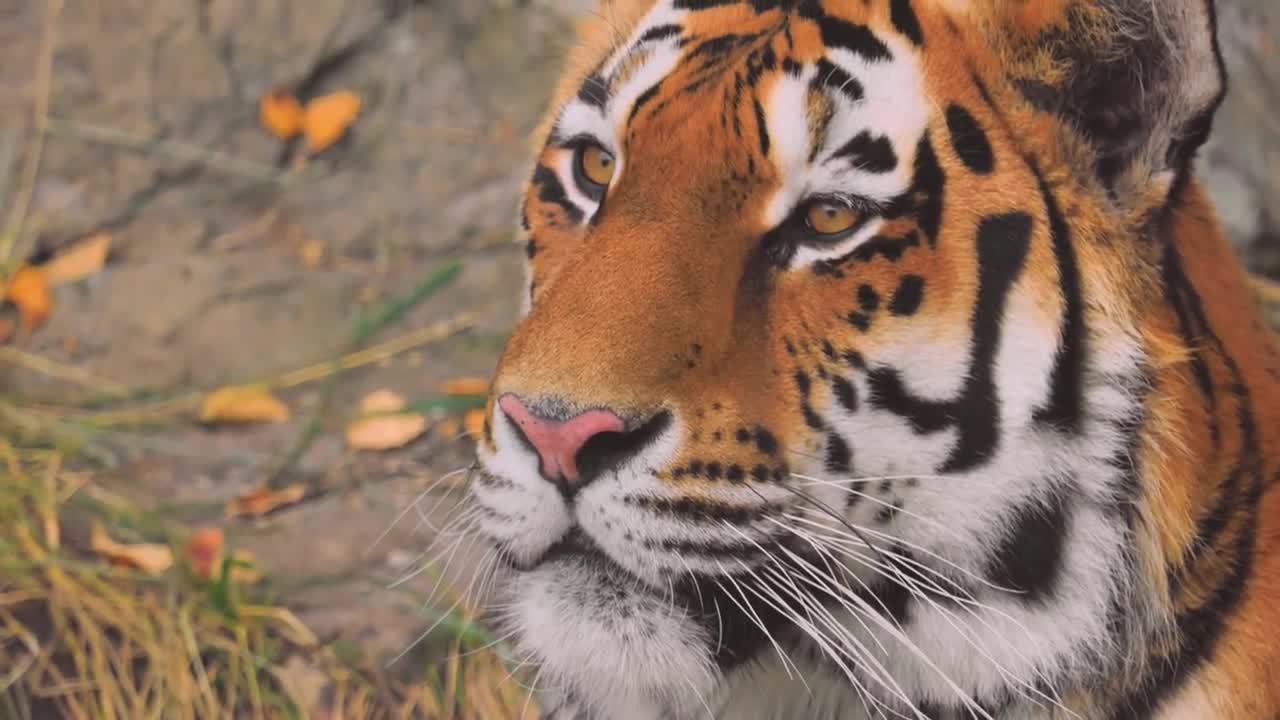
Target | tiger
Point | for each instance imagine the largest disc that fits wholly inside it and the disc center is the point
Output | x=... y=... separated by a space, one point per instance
x=884 y=359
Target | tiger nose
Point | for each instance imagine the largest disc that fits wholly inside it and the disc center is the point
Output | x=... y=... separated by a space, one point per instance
x=559 y=442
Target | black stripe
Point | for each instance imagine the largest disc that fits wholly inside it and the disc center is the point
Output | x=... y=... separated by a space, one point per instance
x=969 y=140
x=857 y=39
x=908 y=295
x=1202 y=624
x=845 y=393
x=550 y=190
x=694 y=509
x=761 y=127
x=905 y=20
x=1029 y=557
x=873 y=155
x=660 y=32
x=594 y=91
x=643 y=98
x=1063 y=410
x=1002 y=243
x=829 y=75
x=839 y=456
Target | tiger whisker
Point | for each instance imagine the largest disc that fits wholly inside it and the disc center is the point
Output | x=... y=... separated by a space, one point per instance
x=836 y=653
x=400 y=516
x=779 y=568
x=907 y=544
x=964 y=600
x=851 y=648
x=783 y=568
x=826 y=558
x=787 y=663
x=928 y=521
x=841 y=594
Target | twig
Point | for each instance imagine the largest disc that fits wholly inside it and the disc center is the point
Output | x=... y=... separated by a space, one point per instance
x=364 y=330
x=60 y=371
x=188 y=402
x=222 y=162
x=40 y=117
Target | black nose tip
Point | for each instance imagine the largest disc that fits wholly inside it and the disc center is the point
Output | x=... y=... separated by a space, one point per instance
x=611 y=450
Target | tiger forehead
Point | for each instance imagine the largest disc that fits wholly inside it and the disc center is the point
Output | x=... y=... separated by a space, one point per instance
x=812 y=85
x=705 y=41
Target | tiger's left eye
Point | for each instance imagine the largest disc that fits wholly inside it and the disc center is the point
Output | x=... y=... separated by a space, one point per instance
x=595 y=167
x=829 y=218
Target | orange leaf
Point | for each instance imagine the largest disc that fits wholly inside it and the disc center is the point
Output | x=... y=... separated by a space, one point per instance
x=465 y=386
x=384 y=432
x=242 y=403
x=29 y=290
x=281 y=113
x=311 y=252
x=78 y=261
x=381 y=401
x=449 y=427
x=148 y=557
x=204 y=550
x=473 y=421
x=327 y=117
x=263 y=500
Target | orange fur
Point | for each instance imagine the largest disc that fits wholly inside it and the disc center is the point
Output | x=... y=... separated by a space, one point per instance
x=612 y=326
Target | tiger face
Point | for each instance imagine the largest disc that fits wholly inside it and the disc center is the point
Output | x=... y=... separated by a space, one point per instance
x=834 y=357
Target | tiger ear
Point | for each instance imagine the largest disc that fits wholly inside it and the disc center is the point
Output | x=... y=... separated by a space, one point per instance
x=1140 y=81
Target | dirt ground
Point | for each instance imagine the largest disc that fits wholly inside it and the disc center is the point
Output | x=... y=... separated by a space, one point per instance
x=215 y=277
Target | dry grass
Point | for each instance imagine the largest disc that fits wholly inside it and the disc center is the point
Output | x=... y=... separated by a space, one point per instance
x=82 y=639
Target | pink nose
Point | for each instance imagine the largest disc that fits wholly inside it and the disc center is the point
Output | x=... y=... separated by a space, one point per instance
x=557 y=442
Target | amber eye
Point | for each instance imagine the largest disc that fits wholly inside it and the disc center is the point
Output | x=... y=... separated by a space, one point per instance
x=595 y=167
x=829 y=218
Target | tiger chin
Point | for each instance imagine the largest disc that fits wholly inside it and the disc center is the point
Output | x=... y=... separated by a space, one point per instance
x=885 y=358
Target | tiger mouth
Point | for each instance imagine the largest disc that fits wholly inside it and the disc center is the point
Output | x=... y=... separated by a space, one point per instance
x=575 y=548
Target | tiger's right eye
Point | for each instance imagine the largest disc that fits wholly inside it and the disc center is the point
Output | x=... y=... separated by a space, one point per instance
x=593 y=169
x=829 y=218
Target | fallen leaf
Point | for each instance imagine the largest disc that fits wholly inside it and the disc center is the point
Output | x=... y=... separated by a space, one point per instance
x=148 y=557
x=327 y=117
x=449 y=428
x=381 y=401
x=204 y=551
x=281 y=113
x=79 y=261
x=473 y=421
x=263 y=500
x=465 y=386
x=28 y=289
x=384 y=432
x=242 y=403
x=312 y=253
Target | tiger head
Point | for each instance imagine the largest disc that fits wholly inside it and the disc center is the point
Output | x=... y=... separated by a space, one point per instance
x=836 y=348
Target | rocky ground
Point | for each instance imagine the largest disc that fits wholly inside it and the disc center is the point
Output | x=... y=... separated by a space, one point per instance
x=236 y=257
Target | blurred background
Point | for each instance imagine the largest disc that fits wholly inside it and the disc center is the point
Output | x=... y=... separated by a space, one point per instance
x=257 y=263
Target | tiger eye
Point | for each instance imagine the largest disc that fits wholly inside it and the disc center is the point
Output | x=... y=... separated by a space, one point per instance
x=597 y=164
x=827 y=218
